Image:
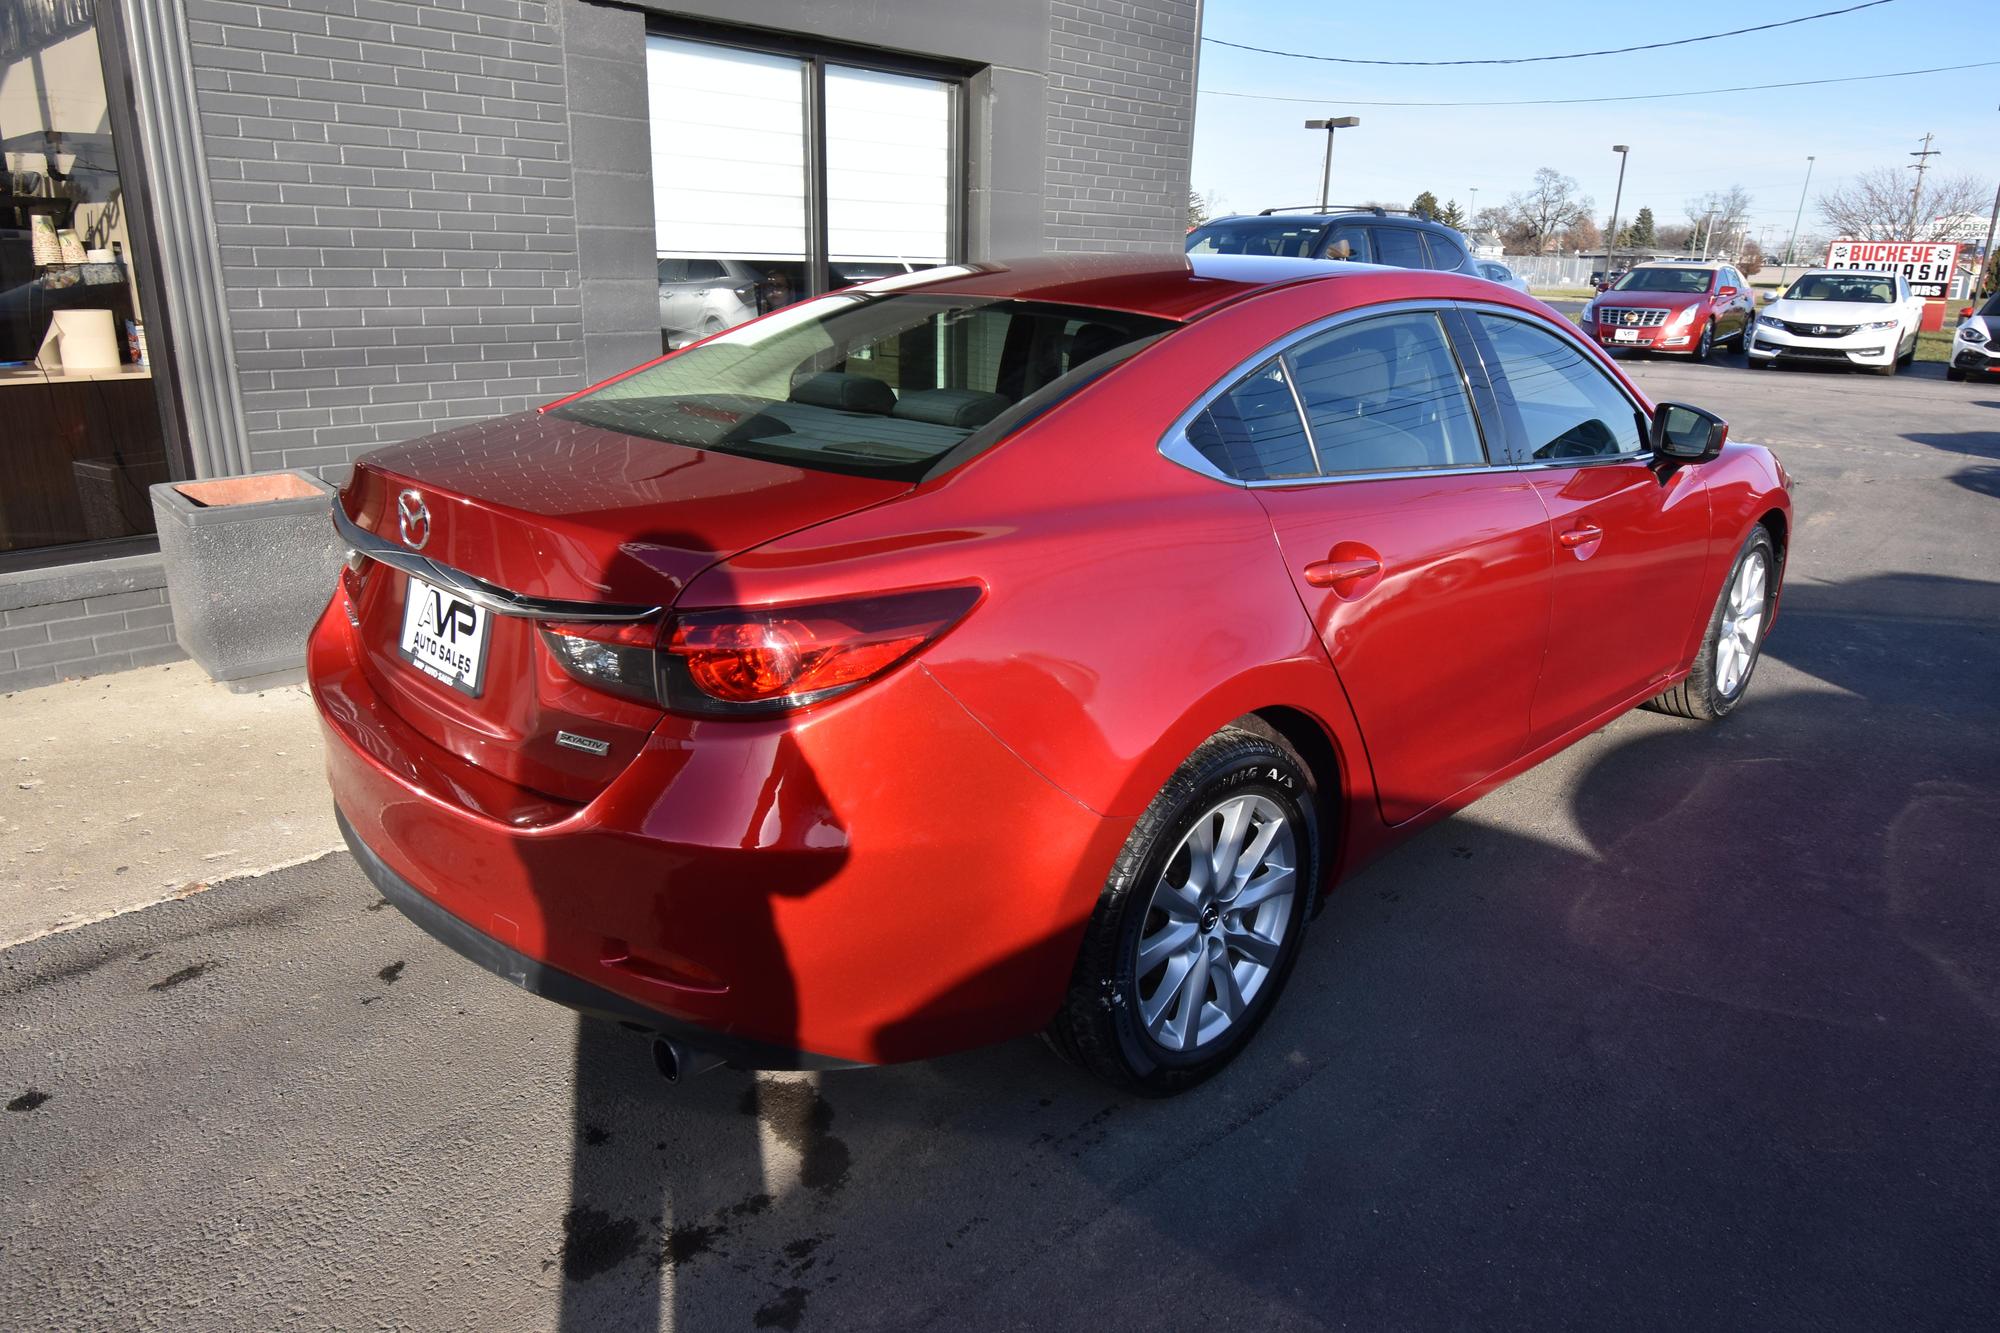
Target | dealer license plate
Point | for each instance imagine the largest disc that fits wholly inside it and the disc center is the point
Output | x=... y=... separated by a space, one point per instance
x=445 y=635
x=1625 y=335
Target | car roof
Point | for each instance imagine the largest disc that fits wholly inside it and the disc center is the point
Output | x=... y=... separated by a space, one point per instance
x=1166 y=285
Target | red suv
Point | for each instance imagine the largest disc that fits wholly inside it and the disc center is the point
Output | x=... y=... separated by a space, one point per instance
x=1672 y=307
x=1011 y=648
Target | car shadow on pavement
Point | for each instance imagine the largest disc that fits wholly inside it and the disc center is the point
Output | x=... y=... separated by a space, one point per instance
x=1698 y=1034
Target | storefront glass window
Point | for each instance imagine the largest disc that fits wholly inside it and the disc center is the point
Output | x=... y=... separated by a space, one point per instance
x=82 y=436
x=741 y=227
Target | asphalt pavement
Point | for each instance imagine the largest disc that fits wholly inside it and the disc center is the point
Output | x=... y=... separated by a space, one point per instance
x=1689 y=1027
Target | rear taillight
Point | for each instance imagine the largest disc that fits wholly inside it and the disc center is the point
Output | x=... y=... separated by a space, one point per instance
x=768 y=660
x=618 y=657
x=755 y=660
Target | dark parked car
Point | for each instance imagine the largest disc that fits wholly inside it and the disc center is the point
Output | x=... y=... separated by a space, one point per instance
x=1365 y=235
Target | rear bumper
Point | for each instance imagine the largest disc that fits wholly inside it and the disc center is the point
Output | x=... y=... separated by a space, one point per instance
x=878 y=879
x=538 y=978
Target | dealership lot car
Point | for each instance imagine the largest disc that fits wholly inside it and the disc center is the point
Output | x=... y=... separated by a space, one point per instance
x=1369 y=235
x=1975 y=346
x=1012 y=648
x=1671 y=307
x=1839 y=317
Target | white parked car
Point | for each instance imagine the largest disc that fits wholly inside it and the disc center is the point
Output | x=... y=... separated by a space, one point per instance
x=1975 y=348
x=1840 y=316
x=1494 y=271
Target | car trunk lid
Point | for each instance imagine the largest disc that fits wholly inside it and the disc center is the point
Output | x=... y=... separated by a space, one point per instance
x=543 y=508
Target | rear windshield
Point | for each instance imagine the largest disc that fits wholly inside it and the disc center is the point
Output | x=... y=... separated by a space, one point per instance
x=1865 y=288
x=1664 y=280
x=1259 y=236
x=881 y=384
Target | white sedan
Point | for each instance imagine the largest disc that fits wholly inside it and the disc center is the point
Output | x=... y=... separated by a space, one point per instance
x=1975 y=345
x=1842 y=317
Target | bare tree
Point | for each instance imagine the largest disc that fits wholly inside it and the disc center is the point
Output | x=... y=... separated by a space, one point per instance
x=1582 y=234
x=1875 y=205
x=1537 y=217
x=1673 y=236
x=1718 y=214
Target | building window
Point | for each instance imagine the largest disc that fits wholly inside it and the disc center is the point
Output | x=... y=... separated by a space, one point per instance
x=780 y=174
x=83 y=434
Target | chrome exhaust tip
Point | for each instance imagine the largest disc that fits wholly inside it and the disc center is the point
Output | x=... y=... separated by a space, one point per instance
x=676 y=1062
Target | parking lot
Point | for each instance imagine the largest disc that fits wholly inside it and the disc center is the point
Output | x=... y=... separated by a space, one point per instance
x=1687 y=1027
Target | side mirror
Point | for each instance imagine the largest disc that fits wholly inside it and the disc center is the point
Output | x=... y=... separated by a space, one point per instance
x=1766 y=297
x=1725 y=292
x=1603 y=286
x=1687 y=434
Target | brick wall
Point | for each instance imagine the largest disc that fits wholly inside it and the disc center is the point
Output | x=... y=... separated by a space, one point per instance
x=109 y=616
x=1120 y=123
x=394 y=207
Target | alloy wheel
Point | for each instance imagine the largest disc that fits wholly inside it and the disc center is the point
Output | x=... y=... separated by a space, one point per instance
x=1215 y=926
x=1741 y=630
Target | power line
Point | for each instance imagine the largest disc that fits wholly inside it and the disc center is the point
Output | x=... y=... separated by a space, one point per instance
x=1534 y=60
x=1630 y=97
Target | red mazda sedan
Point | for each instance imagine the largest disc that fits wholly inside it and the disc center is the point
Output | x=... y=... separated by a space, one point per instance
x=1011 y=648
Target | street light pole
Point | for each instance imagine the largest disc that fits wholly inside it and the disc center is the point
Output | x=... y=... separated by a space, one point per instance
x=1326 y=171
x=1617 y=197
x=1797 y=215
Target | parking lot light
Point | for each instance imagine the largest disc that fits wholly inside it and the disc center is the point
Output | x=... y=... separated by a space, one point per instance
x=1330 y=125
x=1617 y=197
x=1797 y=215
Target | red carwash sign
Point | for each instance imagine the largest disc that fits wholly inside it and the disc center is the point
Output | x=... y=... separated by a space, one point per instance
x=1927 y=264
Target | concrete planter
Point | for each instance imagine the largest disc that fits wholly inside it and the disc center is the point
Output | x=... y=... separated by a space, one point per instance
x=250 y=563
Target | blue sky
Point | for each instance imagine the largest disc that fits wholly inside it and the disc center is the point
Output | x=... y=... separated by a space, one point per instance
x=1256 y=153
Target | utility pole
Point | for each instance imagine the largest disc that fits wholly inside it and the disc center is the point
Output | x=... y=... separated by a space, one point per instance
x=1920 y=166
x=1708 y=236
x=1796 y=216
x=1618 y=196
x=1986 y=251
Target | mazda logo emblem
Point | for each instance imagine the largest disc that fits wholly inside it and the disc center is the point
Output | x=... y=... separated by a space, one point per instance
x=413 y=519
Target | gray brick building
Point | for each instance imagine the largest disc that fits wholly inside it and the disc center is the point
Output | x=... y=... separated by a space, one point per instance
x=343 y=223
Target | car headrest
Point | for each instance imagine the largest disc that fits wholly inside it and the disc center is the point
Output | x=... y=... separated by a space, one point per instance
x=965 y=408
x=1092 y=341
x=848 y=393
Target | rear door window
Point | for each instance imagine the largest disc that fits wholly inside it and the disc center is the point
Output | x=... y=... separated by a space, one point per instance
x=1384 y=395
x=1253 y=431
x=1401 y=247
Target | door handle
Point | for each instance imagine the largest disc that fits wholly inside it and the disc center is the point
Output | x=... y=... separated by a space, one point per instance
x=1333 y=573
x=1580 y=536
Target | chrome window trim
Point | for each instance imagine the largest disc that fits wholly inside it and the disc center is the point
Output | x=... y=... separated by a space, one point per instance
x=489 y=596
x=1176 y=448
x=1305 y=418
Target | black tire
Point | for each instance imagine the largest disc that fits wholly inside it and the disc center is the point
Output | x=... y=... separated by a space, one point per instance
x=1909 y=358
x=1954 y=374
x=1888 y=370
x=1100 y=1026
x=1706 y=343
x=1698 y=695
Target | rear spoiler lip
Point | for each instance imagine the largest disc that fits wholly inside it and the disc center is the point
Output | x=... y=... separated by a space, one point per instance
x=489 y=596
